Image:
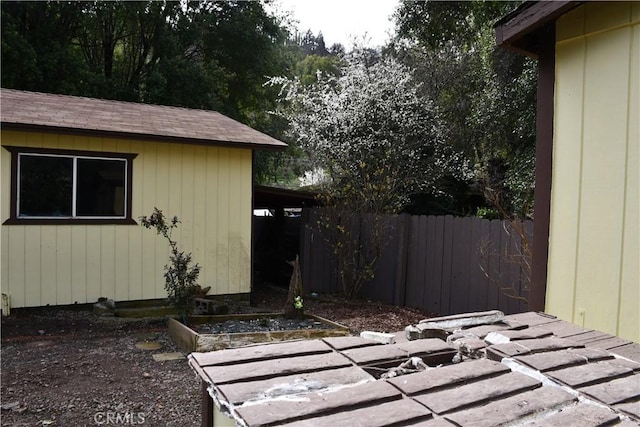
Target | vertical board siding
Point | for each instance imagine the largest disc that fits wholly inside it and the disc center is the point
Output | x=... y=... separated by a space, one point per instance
x=430 y=263
x=566 y=183
x=78 y=257
x=602 y=192
x=56 y=264
x=629 y=265
x=593 y=248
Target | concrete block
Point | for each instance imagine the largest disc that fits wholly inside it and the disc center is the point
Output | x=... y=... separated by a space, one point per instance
x=424 y=331
x=458 y=321
x=379 y=337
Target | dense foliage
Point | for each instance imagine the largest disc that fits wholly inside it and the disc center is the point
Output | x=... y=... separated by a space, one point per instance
x=369 y=128
x=486 y=95
x=211 y=55
x=195 y=54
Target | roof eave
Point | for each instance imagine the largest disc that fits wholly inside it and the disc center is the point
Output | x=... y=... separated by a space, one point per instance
x=520 y=30
x=29 y=127
x=266 y=197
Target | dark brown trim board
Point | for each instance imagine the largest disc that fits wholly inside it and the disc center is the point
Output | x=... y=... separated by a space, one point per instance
x=253 y=246
x=518 y=31
x=544 y=158
x=207 y=406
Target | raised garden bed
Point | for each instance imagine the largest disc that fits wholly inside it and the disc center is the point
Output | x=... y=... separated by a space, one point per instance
x=225 y=330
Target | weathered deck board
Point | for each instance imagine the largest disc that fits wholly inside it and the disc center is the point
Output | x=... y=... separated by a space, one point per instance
x=344 y=343
x=314 y=404
x=224 y=374
x=261 y=352
x=448 y=376
x=592 y=373
x=550 y=361
x=616 y=391
x=399 y=412
x=477 y=393
x=237 y=393
x=578 y=415
x=544 y=399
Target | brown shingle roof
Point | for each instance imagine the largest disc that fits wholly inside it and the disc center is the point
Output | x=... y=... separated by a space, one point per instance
x=72 y=114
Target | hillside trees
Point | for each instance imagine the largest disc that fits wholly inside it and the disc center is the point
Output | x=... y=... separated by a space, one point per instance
x=37 y=46
x=486 y=96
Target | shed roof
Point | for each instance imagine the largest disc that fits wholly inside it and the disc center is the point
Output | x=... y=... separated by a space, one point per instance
x=534 y=370
x=266 y=197
x=99 y=117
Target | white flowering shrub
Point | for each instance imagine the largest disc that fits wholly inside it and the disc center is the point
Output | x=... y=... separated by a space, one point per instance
x=378 y=141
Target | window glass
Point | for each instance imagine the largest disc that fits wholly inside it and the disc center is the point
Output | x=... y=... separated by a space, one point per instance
x=46 y=186
x=100 y=187
x=68 y=186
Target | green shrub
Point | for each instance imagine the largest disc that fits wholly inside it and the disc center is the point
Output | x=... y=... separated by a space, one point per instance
x=180 y=274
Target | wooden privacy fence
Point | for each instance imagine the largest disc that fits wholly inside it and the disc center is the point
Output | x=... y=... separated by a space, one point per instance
x=439 y=264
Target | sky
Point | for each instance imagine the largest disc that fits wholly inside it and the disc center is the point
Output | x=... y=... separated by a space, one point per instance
x=342 y=20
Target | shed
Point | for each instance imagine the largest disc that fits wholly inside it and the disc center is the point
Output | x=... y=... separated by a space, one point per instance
x=76 y=174
x=586 y=238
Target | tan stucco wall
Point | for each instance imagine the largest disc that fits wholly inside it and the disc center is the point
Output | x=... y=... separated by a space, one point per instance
x=208 y=188
x=593 y=276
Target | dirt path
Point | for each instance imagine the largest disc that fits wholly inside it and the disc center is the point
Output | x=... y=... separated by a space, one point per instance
x=77 y=380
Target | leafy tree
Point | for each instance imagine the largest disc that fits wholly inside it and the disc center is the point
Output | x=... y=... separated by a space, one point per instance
x=284 y=168
x=199 y=54
x=367 y=126
x=307 y=69
x=378 y=141
x=313 y=45
x=37 y=46
x=123 y=43
x=486 y=96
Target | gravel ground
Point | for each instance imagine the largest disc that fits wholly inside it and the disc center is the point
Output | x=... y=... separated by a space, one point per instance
x=72 y=368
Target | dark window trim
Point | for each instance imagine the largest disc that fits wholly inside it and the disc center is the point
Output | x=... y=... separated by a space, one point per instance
x=14 y=220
